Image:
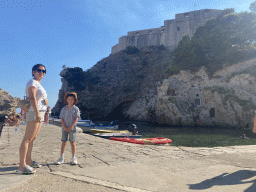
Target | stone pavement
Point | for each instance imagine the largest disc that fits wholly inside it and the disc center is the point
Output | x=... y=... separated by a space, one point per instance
x=105 y=165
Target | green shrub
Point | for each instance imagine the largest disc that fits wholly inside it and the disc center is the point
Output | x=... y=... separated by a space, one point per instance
x=131 y=50
x=79 y=80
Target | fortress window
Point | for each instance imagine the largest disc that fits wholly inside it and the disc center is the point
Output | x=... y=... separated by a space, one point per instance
x=137 y=33
x=197 y=102
x=162 y=30
x=178 y=29
x=186 y=14
x=150 y=32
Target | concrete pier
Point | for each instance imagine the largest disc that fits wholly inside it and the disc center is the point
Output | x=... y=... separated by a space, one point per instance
x=105 y=165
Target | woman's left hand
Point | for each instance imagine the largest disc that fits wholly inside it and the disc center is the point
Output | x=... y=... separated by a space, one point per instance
x=38 y=118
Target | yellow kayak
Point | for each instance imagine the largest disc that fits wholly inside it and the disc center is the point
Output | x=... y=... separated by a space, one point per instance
x=95 y=131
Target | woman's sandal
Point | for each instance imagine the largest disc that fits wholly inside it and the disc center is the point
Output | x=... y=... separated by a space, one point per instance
x=27 y=170
x=35 y=164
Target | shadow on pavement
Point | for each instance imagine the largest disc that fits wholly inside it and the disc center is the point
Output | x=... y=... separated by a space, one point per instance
x=5 y=170
x=228 y=179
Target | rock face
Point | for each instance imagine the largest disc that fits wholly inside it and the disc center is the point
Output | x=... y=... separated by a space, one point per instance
x=118 y=85
x=132 y=87
x=227 y=99
x=7 y=104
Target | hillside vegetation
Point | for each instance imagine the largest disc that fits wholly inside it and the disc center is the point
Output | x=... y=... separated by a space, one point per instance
x=228 y=39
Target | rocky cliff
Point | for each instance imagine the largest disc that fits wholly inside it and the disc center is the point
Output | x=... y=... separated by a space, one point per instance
x=226 y=99
x=132 y=86
x=7 y=104
x=114 y=87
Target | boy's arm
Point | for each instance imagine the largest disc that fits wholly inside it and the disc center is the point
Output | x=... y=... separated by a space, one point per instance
x=63 y=124
x=73 y=124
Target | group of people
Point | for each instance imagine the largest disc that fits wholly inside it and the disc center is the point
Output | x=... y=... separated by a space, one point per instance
x=12 y=120
x=39 y=112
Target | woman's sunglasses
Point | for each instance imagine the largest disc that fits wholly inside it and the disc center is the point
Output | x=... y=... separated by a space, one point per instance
x=40 y=70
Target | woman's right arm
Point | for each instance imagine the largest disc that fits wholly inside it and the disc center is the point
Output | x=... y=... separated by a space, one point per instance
x=32 y=97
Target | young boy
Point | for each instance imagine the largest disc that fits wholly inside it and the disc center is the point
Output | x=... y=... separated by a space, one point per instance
x=68 y=117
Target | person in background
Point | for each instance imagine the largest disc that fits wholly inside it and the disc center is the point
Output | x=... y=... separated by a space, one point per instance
x=10 y=121
x=46 y=116
x=50 y=111
x=254 y=124
x=1 y=129
x=69 y=115
x=34 y=117
x=17 y=120
x=21 y=112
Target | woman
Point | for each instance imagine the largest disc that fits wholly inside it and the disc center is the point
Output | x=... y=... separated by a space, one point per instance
x=34 y=117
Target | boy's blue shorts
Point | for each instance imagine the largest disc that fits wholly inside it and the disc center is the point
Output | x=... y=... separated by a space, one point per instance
x=71 y=134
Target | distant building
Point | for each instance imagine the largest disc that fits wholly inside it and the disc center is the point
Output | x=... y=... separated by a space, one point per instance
x=168 y=35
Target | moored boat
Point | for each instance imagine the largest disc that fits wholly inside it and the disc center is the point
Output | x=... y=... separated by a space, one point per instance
x=88 y=125
x=94 y=131
x=117 y=135
x=106 y=127
x=146 y=141
x=88 y=128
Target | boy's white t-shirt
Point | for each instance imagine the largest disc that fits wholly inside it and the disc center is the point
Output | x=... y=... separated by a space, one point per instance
x=40 y=92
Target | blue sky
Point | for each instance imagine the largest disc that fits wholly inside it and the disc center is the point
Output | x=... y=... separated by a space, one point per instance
x=76 y=33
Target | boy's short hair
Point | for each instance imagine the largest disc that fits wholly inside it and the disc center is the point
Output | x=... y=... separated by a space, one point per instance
x=71 y=94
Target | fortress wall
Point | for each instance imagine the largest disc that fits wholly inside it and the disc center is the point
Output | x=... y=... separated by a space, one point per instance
x=170 y=34
x=186 y=23
x=146 y=31
x=163 y=37
x=131 y=41
x=114 y=49
x=120 y=46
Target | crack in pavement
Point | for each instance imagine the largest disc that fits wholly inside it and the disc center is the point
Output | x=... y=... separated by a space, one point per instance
x=190 y=152
x=50 y=169
x=101 y=160
x=124 y=158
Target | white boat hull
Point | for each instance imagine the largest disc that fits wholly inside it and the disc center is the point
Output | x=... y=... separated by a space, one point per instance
x=87 y=128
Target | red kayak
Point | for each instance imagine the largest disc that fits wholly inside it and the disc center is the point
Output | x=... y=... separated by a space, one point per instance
x=146 y=141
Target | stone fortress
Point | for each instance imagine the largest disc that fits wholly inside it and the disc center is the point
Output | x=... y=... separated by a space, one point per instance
x=168 y=35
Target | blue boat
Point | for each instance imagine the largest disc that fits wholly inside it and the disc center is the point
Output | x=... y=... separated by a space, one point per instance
x=87 y=125
x=117 y=135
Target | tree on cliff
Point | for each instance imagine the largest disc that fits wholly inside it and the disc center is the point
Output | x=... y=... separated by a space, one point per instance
x=253 y=7
x=229 y=38
x=187 y=52
x=79 y=80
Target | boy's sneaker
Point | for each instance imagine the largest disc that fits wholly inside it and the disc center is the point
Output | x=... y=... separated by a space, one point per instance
x=59 y=161
x=74 y=161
